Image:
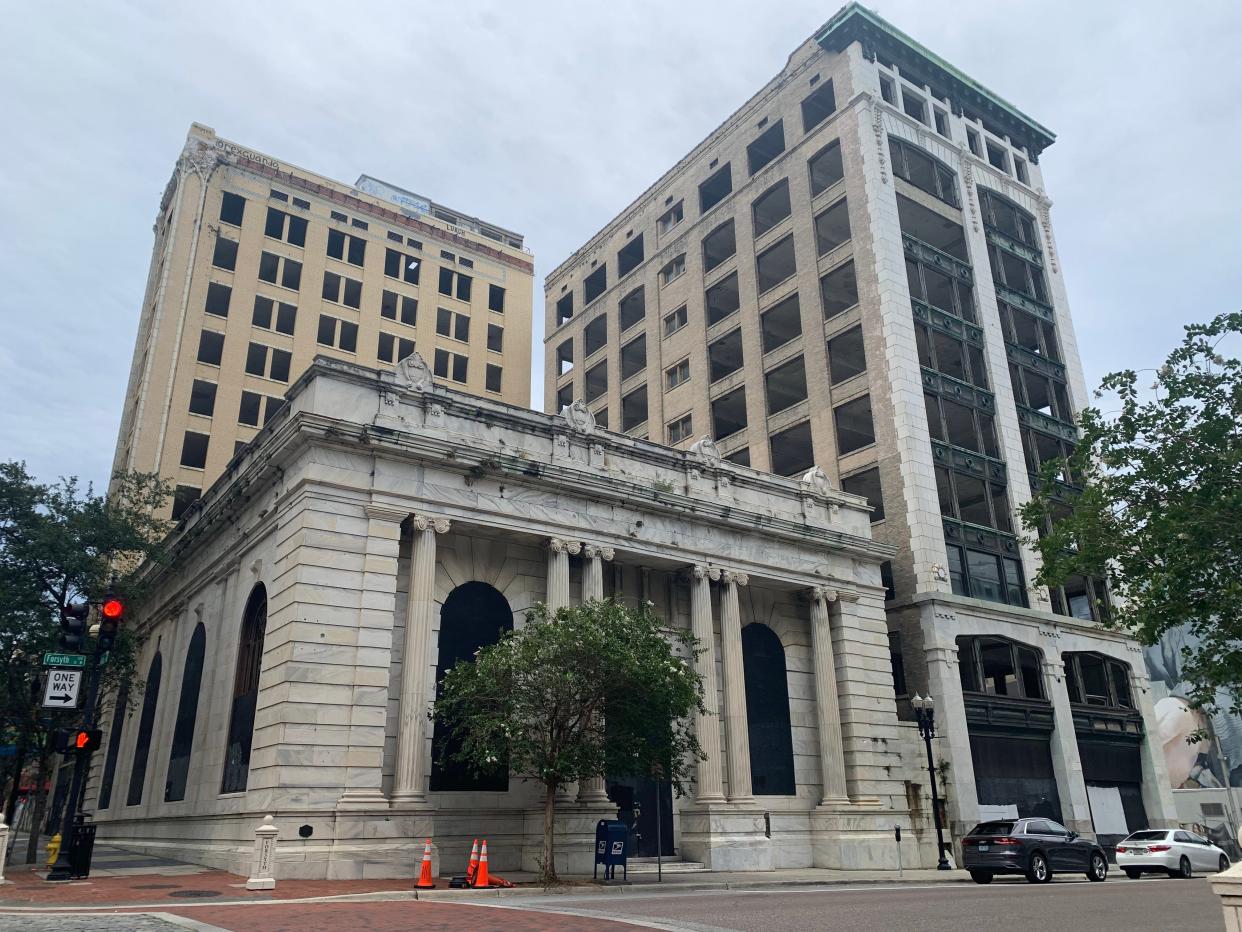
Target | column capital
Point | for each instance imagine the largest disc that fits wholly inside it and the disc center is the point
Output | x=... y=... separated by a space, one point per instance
x=703 y=571
x=561 y=545
x=425 y=522
x=824 y=594
x=736 y=577
x=590 y=551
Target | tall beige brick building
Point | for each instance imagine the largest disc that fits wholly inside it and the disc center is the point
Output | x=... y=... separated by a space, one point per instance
x=856 y=271
x=259 y=266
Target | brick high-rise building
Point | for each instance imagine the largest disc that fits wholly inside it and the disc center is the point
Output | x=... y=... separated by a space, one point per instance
x=259 y=266
x=856 y=272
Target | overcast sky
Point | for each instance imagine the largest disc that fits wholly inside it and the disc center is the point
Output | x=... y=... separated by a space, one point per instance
x=548 y=118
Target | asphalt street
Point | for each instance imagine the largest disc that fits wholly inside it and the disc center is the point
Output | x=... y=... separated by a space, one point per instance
x=1155 y=904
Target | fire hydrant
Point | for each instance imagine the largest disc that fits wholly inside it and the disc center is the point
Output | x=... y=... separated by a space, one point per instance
x=53 y=849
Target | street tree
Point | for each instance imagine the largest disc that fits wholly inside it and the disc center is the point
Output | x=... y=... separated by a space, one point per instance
x=1158 y=513
x=574 y=694
x=60 y=543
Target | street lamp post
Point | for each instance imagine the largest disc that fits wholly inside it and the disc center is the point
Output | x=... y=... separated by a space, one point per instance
x=925 y=712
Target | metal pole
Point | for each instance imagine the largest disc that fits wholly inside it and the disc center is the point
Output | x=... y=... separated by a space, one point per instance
x=659 y=833
x=63 y=870
x=927 y=727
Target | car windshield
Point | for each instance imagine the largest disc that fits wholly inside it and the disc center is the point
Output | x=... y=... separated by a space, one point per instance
x=992 y=828
x=1148 y=836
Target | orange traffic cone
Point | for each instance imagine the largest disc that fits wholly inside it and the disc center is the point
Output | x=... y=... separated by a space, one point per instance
x=425 y=880
x=481 y=878
x=473 y=867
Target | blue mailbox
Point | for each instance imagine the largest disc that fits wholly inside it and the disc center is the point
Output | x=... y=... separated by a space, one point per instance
x=611 y=844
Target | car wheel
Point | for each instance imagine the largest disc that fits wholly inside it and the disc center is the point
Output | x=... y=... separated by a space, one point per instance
x=981 y=876
x=1098 y=868
x=1133 y=874
x=1224 y=864
x=1037 y=871
x=1183 y=869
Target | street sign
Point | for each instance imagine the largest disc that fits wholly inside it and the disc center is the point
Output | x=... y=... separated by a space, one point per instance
x=64 y=660
x=61 y=691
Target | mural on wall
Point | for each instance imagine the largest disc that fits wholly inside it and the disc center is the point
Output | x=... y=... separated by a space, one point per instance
x=1214 y=761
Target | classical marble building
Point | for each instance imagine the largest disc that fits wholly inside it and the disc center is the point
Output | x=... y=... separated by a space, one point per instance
x=856 y=271
x=382 y=526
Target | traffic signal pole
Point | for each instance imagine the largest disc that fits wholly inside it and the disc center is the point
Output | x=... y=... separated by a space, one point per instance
x=63 y=869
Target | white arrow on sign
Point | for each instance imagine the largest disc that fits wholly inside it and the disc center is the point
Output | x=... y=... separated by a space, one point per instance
x=61 y=691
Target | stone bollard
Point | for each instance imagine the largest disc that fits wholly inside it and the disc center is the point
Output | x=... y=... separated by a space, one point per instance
x=4 y=845
x=1228 y=886
x=263 y=870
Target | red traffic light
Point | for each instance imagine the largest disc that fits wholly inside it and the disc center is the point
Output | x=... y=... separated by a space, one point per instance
x=112 y=609
x=87 y=739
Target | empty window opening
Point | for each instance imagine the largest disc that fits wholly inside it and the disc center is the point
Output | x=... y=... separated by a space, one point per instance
x=724 y=356
x=914 y=105
x=594 y=285
x=675 y=321
x=225 y=255
x=1007 y=217
x=832 y=227
x=888 y=90
x=854 y=426
x=455 y=284
x=942 y=122
x=210 y=347
x=923 y=171
x=677 y=374
x=564 y=309
x=633 y=357
x=729 y=413
x=347 y=247
x=194 y=449
x=719 y=245
x=722 y=299
x=632 y=309
x=565 y=357
x=564 y=396
x=393 y=348
x=768 y=146
x=771 y=207
x=218 y=298
x=818 y=106
x=495 y=338
x=276 y=269
x=596 y=382
x=846 y=357
x=838 y=290
x=776 y=264
x=826 y=168
x=496 y=299
x=452 y=366
x=1019 y=169
x=183 y=498
x=786 y=385
x=399 y=265
x=634 y=409
x=595 y=335
x=394 y=306
x=286 y=227
x=681 y=429
x=974 y=142
x=781 y=323
x=452 y=325
x=866 y=484
x=934 y=287
x=341 y=290
x=740 y=457
x=932 y=228
x=203 y=397
x=232 y=208
x=715 y=189
x=792 y=450
x=630 y=256
x=492 y=377
x=342 y=334
x=997 y=157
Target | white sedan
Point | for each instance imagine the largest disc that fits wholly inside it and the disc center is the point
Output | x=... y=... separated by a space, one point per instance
x=1173 y=851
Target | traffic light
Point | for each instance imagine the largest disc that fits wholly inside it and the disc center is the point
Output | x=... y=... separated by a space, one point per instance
x=87 y=739
x=73 y=625
x=111 y=614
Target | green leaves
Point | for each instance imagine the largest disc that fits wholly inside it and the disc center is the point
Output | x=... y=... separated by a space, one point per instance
x=1160 y=516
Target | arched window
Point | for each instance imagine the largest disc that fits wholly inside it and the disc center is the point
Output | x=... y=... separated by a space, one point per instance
x=146 y=723
x=767 y=712
x=114 y=748
x=1093 y=679
x=245 y=692
x=474 y=615
x=1000 y=667
x=187 y=713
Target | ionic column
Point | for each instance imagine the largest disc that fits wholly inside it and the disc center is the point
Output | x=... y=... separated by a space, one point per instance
x=407 y=787
x=593 y=577
x=593 y=790
x=558 y=571
x=710 y=787
x=736 y=730
x=827 y=708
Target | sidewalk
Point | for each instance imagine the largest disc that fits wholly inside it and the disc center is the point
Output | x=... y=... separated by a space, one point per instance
x=124 y=880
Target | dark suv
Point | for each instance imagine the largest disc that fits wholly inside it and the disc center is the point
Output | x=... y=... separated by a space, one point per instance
x=1035 y=848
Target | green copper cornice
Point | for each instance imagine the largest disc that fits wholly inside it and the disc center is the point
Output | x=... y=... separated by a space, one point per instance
x=855 y=22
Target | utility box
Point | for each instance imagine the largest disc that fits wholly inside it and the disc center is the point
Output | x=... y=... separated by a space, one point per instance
x=611 y=848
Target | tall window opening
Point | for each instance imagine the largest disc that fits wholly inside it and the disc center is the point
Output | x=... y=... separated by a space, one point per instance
x=245 y=692
x=142 y=749
x=767 y=712
x=187 y=713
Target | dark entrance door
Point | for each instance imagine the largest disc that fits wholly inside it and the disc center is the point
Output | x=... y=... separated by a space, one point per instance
x=636 y=807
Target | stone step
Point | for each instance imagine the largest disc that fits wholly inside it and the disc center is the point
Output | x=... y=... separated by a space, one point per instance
x=671 y=865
